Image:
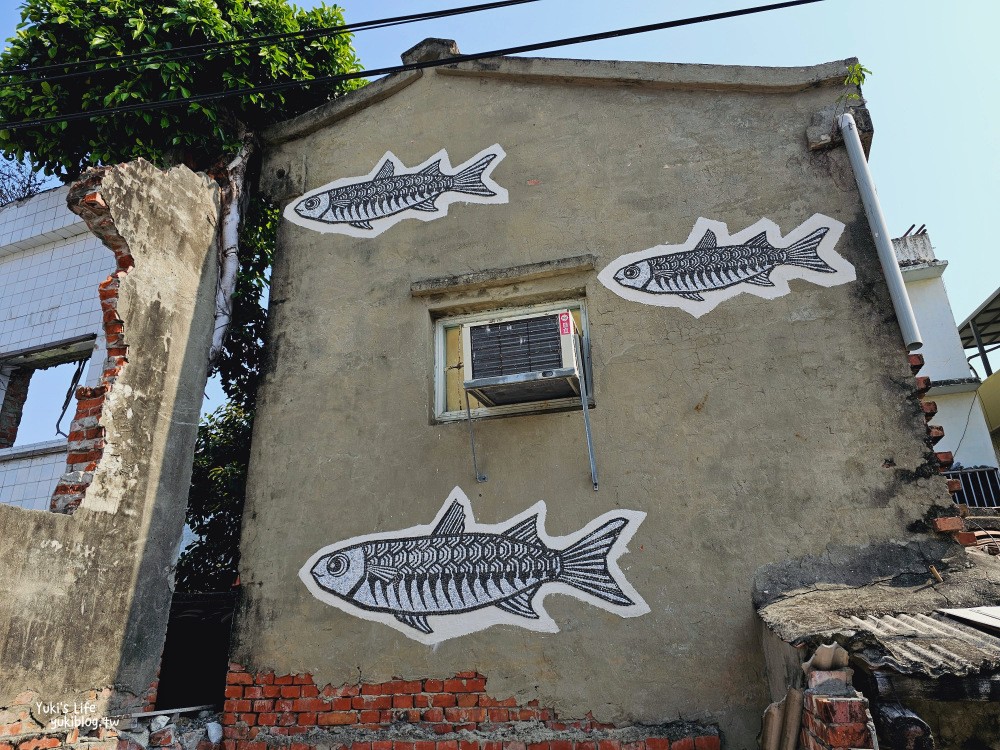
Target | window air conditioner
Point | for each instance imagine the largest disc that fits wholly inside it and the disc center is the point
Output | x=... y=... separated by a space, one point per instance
x=515 y=360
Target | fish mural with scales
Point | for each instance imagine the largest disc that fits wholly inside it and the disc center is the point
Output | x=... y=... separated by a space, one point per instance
x=466 y=576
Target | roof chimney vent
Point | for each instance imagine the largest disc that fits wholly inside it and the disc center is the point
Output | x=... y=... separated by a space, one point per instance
x=430 y=49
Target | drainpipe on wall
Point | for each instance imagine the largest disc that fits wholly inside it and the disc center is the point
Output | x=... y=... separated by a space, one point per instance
x=890 y=267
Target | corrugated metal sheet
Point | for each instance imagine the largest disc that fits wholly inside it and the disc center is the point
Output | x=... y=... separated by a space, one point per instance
x=934 y=645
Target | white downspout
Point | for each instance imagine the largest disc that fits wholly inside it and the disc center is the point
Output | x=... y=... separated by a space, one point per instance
x=890 y=266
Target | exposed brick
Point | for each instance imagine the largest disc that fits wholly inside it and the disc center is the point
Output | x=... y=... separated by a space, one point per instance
x=39 y=743
x=286 y=679
x=949 y=523
x=684 y=743
x=929 y=408
x=847 y=736
x=561 y=745
x=945 y=458
x=467 y=700
x=954 y=485
x=916 y=362
x=444 y=700
x=239 y=678
x=433 y=686
x=336 y=718
x=966 y=538
x=935 y=433
x=706 y=742
x=658 y=743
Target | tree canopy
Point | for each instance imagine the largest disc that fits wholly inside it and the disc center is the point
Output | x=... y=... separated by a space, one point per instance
x=103 y=33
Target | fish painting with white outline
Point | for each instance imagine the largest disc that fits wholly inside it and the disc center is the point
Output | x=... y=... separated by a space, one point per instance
x=709 y=267
x=713 y=266
x=453 y=571
x=375 y=202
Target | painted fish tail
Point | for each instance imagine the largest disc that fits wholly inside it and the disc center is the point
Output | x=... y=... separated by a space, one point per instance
x=803 y=253
x=470 y=179
x=585 y=563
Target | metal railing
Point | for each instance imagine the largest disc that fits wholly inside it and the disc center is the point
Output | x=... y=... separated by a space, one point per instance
x=980 y=487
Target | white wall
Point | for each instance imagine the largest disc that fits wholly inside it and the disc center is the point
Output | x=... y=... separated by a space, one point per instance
x=944 y=356
x=965 y=431
x=50 y=266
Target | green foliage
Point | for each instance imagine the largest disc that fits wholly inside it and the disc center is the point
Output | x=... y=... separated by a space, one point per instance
x=242 y=357
x=856 y=75
x=66 y=31
x=215 y=503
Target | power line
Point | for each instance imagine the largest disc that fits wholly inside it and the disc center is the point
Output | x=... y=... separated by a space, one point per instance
x=206 y=47
x=340 y=78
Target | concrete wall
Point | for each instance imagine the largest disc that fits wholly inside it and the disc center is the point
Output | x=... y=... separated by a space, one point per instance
x=84 y=598
x=765 y=429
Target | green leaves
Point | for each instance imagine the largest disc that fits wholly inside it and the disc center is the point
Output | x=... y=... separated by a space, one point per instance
x=856 y=75
x=70 y=31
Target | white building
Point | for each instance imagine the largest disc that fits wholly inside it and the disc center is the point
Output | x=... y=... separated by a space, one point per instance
x=954 y=384
x=50 y=322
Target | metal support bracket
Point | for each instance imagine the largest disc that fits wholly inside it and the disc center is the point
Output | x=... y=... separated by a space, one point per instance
x=585 y=404
x=480 y=477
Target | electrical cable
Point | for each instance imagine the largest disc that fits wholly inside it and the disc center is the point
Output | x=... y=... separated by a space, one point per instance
x=197 y=50
x=340 y=78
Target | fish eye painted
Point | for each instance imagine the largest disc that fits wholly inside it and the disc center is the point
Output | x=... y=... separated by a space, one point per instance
x=313 y=207
x=635 y=276
x=337 y=565
x=339 y=572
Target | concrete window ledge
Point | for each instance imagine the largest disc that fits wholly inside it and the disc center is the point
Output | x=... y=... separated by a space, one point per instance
x=33 y=449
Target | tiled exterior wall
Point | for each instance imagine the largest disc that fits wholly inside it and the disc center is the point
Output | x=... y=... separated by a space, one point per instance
x=28 y=481
x=50 y=269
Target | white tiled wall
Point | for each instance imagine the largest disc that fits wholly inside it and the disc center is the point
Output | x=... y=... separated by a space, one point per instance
x=28 y=482
x=36 y=221
x=49 y=293
x=50 y=266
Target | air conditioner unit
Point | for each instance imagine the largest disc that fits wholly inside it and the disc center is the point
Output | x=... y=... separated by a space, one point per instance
x=515 y=360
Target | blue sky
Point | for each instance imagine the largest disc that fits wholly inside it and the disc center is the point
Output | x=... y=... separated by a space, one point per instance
x=933 y=95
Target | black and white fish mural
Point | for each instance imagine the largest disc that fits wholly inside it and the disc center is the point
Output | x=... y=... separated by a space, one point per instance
x=713 y=266
x=367 y=205
x=455 y=576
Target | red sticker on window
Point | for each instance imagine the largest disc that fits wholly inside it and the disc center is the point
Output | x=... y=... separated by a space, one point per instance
x=564 y=328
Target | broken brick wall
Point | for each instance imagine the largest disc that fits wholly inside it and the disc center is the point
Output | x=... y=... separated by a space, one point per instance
x=84 y=597
x=263 y=709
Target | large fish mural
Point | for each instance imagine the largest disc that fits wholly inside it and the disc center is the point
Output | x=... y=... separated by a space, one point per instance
x=713 y=265
x=456 y=576
x=367 y=205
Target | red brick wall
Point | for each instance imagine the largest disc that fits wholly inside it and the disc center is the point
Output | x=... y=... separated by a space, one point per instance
x=830 y=722
x=263 y=709
x=13 y=403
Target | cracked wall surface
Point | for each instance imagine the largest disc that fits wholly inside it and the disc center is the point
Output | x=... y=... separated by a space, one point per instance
x=84 y=598
x=762 y=431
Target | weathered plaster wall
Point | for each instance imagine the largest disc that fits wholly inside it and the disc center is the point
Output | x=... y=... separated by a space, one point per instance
x=758 y=432
x=84 y=598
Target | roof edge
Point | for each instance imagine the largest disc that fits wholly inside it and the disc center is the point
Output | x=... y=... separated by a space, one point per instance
x=661 y=75
x=568 y=71
x=339 y=108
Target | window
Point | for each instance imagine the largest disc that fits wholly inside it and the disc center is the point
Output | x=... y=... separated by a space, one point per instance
x=449 y=369
x=36 y=386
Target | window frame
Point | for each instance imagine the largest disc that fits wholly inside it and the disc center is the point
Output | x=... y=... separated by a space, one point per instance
x=442 y=323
